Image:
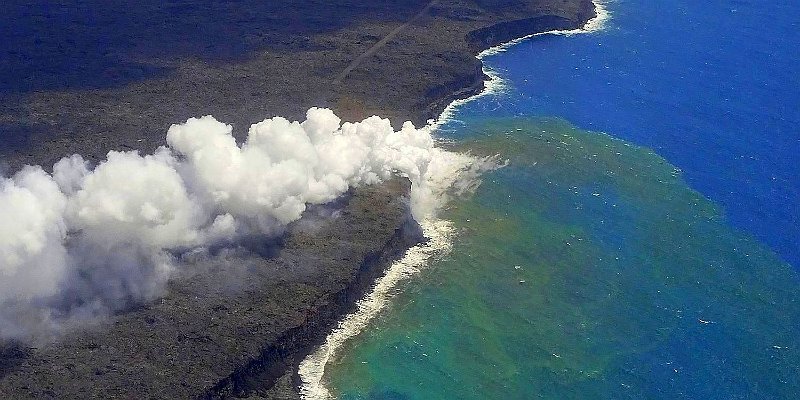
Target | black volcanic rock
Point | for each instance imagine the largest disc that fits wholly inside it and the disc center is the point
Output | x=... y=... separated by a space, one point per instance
x=102 y=76
x=510 y=30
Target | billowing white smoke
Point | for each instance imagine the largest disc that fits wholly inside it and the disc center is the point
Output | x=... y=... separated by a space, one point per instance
x=94 y=239
x=32 y=255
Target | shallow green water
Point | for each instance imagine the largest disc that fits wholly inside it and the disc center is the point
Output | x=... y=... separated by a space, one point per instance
x=585 y=269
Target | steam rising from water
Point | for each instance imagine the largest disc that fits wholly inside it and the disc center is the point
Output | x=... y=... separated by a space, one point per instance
x=86 y=240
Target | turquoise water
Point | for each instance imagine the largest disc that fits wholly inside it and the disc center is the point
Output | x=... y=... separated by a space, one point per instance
x=592 y=266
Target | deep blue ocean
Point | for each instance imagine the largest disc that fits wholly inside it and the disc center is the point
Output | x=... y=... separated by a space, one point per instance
x=712 y=86
x=643 y=241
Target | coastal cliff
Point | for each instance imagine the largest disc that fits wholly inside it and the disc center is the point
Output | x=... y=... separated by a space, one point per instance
x=238 y=323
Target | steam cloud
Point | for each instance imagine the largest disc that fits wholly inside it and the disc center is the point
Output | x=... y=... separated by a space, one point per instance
x=82 y=241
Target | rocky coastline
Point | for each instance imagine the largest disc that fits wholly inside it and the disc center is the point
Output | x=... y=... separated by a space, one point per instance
x=242 y=321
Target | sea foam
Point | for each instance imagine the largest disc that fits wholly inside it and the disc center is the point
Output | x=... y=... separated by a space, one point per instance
x=439 y=233
x=596 y=24
x=496 y=84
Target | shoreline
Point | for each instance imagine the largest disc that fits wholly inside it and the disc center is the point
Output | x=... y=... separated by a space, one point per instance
x=431 y=101
x=310 y=373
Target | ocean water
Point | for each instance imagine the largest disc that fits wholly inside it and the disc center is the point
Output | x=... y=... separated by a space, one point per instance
x=712 y=86
x=642 y=241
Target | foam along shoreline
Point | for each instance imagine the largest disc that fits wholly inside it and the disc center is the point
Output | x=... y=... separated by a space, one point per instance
x=311 y=370
x=495 y=83
x=595 y=24
x=439 y=233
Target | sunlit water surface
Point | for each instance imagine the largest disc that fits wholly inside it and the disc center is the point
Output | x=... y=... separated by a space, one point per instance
x=594 y=267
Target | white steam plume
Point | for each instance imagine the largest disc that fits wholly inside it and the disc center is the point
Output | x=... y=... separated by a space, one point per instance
x=83 y=240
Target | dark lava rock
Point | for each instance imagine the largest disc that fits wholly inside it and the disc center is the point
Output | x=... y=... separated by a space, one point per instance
x=89 y=77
